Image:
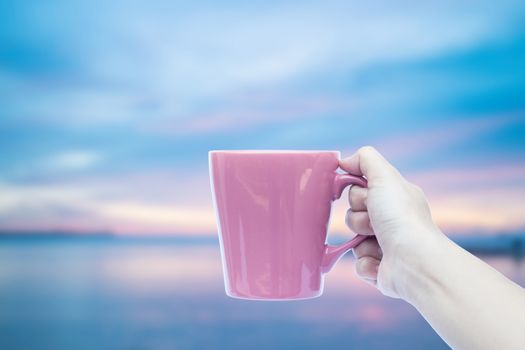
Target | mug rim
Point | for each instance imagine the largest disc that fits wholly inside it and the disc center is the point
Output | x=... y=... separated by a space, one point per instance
x=258 y=151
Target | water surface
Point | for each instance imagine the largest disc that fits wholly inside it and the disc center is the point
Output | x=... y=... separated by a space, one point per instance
x=64 y=293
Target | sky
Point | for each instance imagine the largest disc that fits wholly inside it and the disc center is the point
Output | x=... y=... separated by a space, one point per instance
x=108 y=109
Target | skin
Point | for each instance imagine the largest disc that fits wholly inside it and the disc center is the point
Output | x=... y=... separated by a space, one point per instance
x=467 y=302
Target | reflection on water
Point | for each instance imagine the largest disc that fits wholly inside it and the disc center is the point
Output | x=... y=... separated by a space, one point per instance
x=118 y=294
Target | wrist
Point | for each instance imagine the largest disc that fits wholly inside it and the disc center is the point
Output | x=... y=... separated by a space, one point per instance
x=417 y=268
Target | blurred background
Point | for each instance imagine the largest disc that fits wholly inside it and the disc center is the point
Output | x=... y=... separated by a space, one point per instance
x=107 y=112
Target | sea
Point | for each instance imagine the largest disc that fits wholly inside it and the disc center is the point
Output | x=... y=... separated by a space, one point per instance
x=66 y=292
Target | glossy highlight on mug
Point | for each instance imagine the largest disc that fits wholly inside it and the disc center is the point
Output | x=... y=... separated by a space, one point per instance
x=273 y=209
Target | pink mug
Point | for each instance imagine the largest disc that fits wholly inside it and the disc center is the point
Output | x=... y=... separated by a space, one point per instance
x=273 y=209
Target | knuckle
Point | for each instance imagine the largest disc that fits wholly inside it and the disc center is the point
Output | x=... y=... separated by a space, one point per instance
x=352 y=220
x=362 y=195
x=360 y=223
x=362 y=248
x=361 y=265
x=353 y=202
x=367 y=150
x=357 y=196
x=417 y=189
x=359 y=249
x=352 y=197
x=349 y=219
x=357 y=267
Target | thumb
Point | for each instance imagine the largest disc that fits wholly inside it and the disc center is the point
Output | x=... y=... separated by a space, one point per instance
x=369 y=162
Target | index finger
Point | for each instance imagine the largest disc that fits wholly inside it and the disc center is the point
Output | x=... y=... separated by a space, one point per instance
x=367 y=161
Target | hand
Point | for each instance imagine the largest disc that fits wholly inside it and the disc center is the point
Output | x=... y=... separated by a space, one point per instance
x=469 y=304
x=395 y=214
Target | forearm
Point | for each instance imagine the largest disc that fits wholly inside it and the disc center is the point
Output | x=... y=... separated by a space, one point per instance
x=470 y=305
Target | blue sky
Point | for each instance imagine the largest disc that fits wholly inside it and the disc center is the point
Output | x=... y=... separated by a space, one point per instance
x=108 y=109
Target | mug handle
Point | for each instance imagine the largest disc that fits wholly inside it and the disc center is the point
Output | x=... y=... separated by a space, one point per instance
x=333 y=253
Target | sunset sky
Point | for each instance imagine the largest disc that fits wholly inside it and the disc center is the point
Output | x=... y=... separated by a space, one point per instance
x=108 y=109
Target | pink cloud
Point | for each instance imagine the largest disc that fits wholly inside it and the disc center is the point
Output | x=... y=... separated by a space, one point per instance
x=416 y=142
x=248 y=111
x=165 y=201
x=152 y=202
x=482 y=200
x=493 y=175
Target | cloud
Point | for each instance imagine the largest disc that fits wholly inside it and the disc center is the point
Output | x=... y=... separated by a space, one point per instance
x=495 y=175
x=74 y=160
x=55 y=165
x=137 y=203
x=172 y=218
x=463 y=199
x=249 y=111
x=185 y=57
x=89 y=116
x=485 y=211
x=481 y=200
x=432 y=138
x=67 y=103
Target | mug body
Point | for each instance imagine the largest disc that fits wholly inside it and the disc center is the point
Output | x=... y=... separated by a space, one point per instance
x=273 y=209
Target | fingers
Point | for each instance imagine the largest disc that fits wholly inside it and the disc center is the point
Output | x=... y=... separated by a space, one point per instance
x=359 y=222
x=357 y=198
x=367 y=268
x=369 y=247
x=368 y=255
x=366 y=161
